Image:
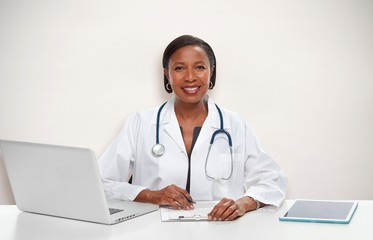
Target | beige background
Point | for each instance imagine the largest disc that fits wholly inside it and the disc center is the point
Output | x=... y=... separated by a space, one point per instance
x=301 y=72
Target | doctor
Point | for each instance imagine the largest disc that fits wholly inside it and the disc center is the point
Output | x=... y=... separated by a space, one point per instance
x=190 y=148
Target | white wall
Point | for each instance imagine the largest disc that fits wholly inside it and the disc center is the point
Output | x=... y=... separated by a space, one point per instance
x=300 y=71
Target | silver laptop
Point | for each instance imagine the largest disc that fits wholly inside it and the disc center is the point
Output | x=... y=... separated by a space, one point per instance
x=64 y=182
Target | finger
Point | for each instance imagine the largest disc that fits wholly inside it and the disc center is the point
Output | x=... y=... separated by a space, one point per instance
x=230 y=213
x=181 y=201
x=218 y=209
x=232 y=216
x=226 y=210
x=183 y=192
x=178 y=196
x=168 y=198
x=174 y=204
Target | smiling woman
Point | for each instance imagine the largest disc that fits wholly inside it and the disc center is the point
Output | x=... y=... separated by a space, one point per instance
x=189 y=76
x=189 y=41
x=189 y=73
x=199 y=163
x=299 y=71
x=189 y=67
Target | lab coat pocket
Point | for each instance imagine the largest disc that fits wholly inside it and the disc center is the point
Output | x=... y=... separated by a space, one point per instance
x=226 y=176
x=219 y=160
x=218 y=169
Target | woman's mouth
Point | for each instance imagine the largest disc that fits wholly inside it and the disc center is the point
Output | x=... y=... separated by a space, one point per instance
x=191 y=90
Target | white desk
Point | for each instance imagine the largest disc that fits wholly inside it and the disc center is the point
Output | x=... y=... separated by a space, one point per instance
x=256 y=225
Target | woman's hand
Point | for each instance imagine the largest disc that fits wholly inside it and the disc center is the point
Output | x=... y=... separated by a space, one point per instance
x=228 y=209
x=172 y=195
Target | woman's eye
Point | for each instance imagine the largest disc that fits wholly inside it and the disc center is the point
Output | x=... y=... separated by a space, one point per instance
x=200 y=67
x=179 y=68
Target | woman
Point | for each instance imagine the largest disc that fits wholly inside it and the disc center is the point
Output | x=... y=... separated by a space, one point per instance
x=243 y=178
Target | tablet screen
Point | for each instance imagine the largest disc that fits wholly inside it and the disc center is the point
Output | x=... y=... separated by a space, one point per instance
x=321 y=211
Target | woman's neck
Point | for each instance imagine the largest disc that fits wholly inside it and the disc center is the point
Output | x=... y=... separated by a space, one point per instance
x=191 y=112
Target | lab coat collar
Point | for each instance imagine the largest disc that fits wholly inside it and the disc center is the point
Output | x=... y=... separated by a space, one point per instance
x=212 y=120
x=169 y=123
x=211 y=124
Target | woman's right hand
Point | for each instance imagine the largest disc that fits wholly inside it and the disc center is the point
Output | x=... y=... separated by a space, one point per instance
x=172 y=195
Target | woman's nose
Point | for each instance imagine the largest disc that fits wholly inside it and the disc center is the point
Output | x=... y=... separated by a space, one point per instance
x=190 y=75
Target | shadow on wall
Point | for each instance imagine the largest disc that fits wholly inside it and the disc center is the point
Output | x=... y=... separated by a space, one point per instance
x=6 y=194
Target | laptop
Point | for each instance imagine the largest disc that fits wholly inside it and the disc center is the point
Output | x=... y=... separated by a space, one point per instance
x=64 y=182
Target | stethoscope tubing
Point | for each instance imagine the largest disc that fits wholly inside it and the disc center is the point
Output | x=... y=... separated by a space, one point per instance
x=158 y=120
x=158 y=149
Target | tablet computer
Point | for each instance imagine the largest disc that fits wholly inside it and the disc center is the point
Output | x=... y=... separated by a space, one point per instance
x=322 y=211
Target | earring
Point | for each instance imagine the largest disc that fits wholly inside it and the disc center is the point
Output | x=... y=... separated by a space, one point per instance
x=168 y=87
x=211 y=85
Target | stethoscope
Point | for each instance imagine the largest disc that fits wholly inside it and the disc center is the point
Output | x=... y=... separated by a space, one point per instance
x=158 y=149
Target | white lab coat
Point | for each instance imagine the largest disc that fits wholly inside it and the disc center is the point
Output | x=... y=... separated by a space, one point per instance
x=255 y=174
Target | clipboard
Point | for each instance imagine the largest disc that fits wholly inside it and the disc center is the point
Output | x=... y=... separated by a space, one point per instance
x=321 y=211
x=199 y=213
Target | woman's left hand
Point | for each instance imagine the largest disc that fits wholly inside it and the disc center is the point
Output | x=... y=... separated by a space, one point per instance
x=228 y=209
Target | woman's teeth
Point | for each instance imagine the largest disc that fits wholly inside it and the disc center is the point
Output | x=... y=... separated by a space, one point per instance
x=191 y=89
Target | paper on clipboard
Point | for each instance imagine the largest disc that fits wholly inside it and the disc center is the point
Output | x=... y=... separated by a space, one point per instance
x=199 y=213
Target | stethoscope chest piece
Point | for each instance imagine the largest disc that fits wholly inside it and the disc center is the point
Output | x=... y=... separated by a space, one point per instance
x=158 y=150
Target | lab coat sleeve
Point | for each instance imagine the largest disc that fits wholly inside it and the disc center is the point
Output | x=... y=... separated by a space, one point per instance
x=116 y=163
x=265 y=180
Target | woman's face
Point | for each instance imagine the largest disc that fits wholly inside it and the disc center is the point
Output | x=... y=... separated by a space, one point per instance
x=189 y=73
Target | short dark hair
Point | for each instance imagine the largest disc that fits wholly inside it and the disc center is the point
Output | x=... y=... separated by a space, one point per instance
x=188 y=40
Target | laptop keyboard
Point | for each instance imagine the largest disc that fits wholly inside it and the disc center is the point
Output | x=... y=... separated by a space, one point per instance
x=114 y=210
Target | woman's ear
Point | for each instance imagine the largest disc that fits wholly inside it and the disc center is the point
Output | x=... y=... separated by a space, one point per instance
x=165 y=72
x=212 y=71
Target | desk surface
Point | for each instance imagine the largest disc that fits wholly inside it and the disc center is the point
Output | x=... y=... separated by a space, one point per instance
x=261 y=224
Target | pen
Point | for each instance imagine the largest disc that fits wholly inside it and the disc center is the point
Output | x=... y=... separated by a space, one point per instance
x=190 y=200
